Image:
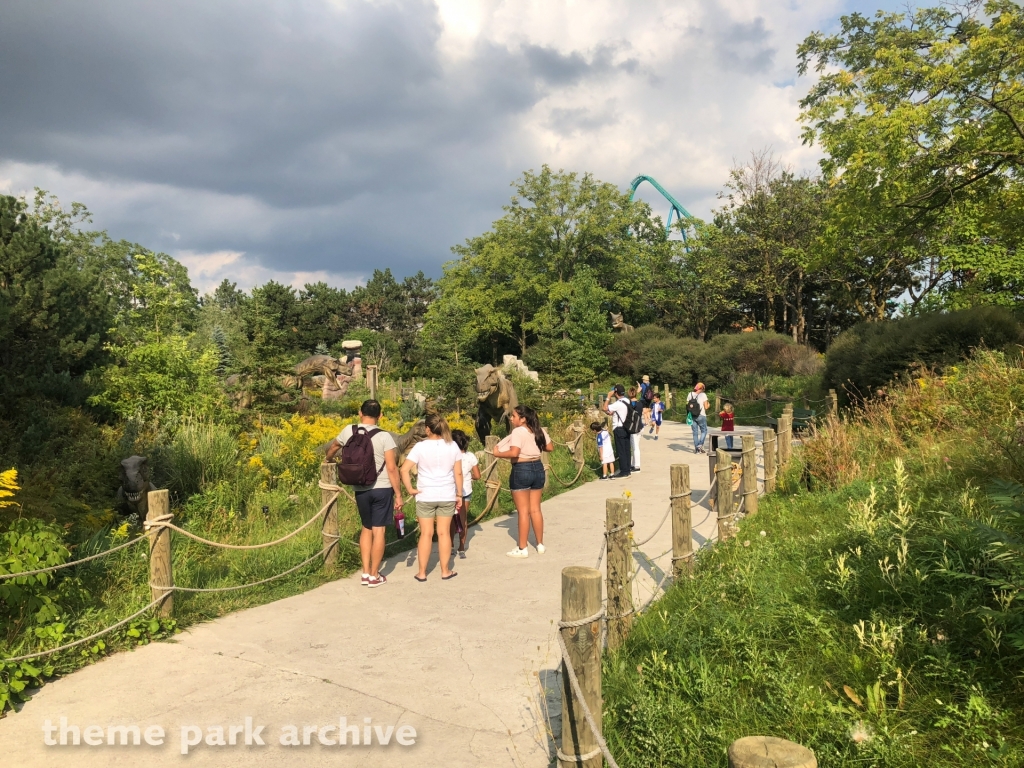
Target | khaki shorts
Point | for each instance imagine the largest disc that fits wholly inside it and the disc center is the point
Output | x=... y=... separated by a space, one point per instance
x=432 y=509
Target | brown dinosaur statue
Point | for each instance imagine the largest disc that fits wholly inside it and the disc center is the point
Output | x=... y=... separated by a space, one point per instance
x=337 y=374
x=496 y=397
x=619 y=325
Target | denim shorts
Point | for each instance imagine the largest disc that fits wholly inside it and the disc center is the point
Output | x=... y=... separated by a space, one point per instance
x=527 y=476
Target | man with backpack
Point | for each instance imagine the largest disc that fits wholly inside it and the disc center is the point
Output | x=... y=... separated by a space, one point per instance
x=623 y=416
x=369 y=464
x=696 y=410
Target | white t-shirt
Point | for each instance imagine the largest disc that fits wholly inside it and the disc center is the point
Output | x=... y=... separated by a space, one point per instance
x=619 y=410
x=435 y=469
x=469 y=460
x=382 y=441
x=701 y=399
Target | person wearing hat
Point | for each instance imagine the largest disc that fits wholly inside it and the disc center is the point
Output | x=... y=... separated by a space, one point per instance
x=697 y=408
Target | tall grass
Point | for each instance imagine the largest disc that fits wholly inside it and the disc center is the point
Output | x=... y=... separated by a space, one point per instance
x=877 y=620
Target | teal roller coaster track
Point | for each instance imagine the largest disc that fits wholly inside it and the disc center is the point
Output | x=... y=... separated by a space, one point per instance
x=676 y=209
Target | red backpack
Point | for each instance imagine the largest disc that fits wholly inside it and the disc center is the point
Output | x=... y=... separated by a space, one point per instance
x=357 y=466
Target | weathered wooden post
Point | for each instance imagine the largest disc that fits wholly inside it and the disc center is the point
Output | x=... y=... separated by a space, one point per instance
x=749 y=461
x=668 y=397
x=761 y=751
x=160 y=570
x=682 y=534
x=619 y=520
x=768 y=449
x=718 y=404
x=545 y=461
x=785 y=439
x=329 y=531
x=581 y=598
x=833 y=403
x=371 y=380
x=491 y=477
x=723 y=495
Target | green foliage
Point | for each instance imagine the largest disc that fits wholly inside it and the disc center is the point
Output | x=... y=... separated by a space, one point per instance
x=919 y=115
x=54 y=312
x=158 y=378
x=201 y=454
x=876 y=621
x=516 y=282
x=682 y=362
x=871 y=355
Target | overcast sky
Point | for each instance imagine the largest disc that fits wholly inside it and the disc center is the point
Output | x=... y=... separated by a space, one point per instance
x=320 y=139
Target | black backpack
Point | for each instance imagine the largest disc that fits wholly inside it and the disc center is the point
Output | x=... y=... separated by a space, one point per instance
x=357 y=466
x=634 y=421
x=693 y=407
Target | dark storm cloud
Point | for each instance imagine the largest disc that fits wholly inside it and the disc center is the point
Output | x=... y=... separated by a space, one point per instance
x=744 y=46
x=333 y=114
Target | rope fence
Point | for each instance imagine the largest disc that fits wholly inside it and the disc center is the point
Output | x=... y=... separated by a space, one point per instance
x=158 y=525
x=581 y=732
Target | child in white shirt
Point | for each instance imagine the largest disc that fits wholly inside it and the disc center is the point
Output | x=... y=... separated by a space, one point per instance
x=605 y=449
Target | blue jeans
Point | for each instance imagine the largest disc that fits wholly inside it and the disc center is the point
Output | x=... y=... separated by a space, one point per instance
x=728 y=442
x=700 y=430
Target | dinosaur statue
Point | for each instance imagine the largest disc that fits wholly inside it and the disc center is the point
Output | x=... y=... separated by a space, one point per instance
x=496 y=397
x=618 y=324
x=133 y=494
x=337 y=375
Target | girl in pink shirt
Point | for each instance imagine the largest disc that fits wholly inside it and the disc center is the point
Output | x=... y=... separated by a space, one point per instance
x=523 y=448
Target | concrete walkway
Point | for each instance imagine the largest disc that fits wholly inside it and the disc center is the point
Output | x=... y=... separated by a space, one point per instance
x=469 y=663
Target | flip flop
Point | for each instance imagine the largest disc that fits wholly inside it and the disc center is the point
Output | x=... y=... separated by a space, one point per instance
x=419 y=579
x=451 y=575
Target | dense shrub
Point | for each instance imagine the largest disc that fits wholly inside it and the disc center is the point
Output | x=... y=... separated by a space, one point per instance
x=870 y=355
x=683 y=361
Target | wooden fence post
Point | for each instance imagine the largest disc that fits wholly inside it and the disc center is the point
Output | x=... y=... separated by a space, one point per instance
x=160 y=569
x=329 y=531
x=718 y=404
x=682 y=534
x=668 y=397
x=619 y=562
x=723 y=495
x=833 y=403
x=581 y=597
x=768 y=449
x=749 y=460
x=371 y=380
x=785 y=439
x=491 y=477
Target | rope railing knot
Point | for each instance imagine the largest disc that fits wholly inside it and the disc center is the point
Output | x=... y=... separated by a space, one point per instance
x=160 y=521
x=618 y=528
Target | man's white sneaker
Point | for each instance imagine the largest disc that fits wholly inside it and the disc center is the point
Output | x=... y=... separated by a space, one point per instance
x=540 y=549
x=517 y=552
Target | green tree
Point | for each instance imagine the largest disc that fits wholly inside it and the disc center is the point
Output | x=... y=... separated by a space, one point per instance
x=695 y=289
x=54 y=313
x=920 y=116
x=514 y=280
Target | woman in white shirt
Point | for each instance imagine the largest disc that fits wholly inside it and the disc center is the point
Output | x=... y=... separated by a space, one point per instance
x=523 y=447
x=438 y=491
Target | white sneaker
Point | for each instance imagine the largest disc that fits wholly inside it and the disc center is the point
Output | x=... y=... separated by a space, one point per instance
x=541 y=549
x=517 y=552
x=365 y=580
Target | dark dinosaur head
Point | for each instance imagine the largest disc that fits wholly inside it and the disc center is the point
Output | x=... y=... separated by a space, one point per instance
x=135 y=477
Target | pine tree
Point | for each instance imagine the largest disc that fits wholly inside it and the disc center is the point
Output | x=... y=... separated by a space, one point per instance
x=220 y=340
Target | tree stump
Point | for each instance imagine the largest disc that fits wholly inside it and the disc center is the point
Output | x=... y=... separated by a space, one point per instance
x=769 y=752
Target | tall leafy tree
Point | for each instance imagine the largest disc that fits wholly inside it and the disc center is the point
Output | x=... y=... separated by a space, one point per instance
x=54 y=313
x=921 y=117
x=516 y=278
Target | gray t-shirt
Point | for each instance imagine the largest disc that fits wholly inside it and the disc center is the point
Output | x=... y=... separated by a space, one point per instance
x=382 y=441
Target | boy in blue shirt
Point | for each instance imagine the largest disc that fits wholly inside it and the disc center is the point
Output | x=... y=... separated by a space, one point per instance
x=657 y=408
